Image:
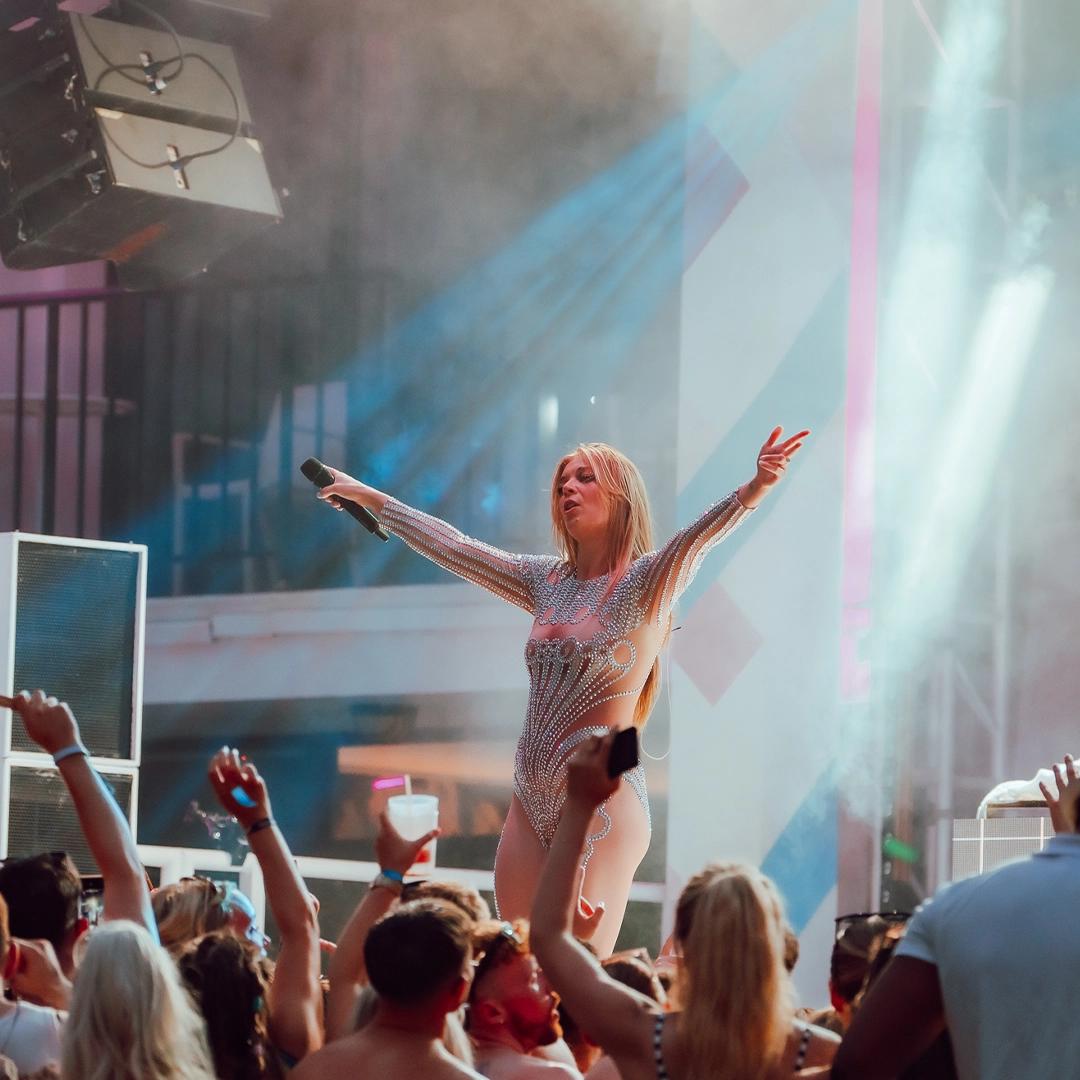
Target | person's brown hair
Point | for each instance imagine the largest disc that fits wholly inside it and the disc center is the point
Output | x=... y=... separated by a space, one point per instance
x=462 y=896
x=417 y=951
x=496 y=943
x=638 y=974
x=229 y=980
x=850 y=960
x=42 y=894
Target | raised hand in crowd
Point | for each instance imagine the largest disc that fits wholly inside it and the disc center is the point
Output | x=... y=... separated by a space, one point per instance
x=53 y=727
x=347 y=974
x=295 y=995
x=1063 y=806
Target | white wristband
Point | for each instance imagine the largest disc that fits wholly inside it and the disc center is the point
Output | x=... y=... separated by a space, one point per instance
x=68 y=751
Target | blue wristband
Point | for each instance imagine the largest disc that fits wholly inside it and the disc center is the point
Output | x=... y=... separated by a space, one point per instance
x=70 y=751
x=393 y=875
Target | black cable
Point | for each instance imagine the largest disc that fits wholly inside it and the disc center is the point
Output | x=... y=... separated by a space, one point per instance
x=172 y=32
x=181 y=56
x=238 y=123
x=184 y=161
x=120 y=68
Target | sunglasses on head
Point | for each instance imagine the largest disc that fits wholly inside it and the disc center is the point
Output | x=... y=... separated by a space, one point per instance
x=507 y=937
x=892 y=918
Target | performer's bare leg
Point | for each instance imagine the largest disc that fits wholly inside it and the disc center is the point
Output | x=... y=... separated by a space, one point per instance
x=614 y=861
x=518 y=863
x=610 y=871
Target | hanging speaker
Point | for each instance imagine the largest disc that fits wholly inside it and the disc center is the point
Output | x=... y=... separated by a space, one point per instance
x=127 y=144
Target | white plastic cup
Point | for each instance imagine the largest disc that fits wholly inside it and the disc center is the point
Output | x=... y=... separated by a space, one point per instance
x=413 y=816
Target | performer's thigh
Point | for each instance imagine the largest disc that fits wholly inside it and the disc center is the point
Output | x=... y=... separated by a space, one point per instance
x=615 y=859
x=518 y=863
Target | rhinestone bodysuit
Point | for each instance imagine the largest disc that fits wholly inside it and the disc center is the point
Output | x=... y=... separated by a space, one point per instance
x=572 y=675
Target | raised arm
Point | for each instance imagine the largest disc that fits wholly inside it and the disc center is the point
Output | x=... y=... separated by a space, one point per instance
x=674 y=566
x=348 y=975
x=295 y=998
x=511 y=577
x=610 y=1012
x=52 y=725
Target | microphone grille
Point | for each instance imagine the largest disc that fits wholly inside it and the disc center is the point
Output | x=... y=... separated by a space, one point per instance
x=317 y=472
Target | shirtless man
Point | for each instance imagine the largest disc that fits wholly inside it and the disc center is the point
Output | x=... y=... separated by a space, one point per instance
x=512 y=1010
x=419 y=961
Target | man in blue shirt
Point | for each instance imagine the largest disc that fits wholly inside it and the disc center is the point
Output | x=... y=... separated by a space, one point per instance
x=993 y=959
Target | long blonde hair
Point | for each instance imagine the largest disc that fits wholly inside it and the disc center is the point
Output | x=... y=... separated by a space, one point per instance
x=629 y=534
x=735 y=995
x=130 y=1018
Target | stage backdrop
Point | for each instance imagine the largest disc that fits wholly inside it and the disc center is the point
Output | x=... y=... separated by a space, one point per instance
x=768 y=244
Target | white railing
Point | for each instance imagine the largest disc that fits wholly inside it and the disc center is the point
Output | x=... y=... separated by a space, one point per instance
x=176 y=863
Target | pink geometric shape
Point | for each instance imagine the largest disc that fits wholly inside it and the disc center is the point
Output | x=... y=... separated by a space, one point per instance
x=715 y=643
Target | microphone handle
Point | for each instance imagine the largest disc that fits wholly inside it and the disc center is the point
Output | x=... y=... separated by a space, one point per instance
x=365 y=517
x=315 y=471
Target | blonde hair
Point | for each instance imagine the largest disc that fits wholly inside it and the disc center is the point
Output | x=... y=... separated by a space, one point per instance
x=188 y=909
x=130 y=1018
x=629 y=534
x=735 y=994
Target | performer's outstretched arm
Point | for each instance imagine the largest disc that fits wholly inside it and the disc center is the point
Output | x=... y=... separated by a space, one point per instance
x=507 y=575
x=674 y=566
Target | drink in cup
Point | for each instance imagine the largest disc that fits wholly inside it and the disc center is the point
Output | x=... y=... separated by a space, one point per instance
x=413 y=816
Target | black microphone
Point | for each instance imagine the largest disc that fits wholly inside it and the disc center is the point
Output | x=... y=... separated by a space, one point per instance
x=322 y=477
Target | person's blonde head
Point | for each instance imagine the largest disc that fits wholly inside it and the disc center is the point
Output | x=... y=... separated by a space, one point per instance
x=187 y=909
x=130 y=1018
x=736 y=998
x=629 y=529
x=629 y=532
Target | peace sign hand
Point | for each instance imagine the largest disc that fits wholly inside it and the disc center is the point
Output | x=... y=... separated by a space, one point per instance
x=774 y=455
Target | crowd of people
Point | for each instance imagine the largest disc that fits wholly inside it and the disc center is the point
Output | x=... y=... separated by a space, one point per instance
x=175 y=983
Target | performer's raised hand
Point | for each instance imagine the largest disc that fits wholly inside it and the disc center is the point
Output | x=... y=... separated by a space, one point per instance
x=774 y=455
x=343 y=487
x=772 y=462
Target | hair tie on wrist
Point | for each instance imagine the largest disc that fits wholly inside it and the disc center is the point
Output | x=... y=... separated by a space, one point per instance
x=70 y=751
x=393 y=875
x=258 y=826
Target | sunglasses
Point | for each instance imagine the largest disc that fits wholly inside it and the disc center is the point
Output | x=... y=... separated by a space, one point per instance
x=508 y=938
x=892 y=918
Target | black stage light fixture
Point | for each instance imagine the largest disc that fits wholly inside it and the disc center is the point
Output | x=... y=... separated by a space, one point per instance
x=125 y=143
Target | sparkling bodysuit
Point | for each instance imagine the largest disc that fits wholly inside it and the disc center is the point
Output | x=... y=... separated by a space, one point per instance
x=570 y=676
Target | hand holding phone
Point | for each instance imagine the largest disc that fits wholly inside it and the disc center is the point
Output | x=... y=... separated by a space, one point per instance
x=624 y=752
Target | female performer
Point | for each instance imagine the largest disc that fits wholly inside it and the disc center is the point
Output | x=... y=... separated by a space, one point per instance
x=601 y=613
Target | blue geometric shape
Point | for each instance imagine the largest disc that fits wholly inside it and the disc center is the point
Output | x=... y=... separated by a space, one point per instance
x=802 y=860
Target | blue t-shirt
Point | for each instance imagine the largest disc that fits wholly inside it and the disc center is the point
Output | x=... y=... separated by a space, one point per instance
x=1007 y=949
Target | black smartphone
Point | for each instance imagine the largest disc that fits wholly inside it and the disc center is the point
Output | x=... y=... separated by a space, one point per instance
x=92 y=900
x=624 y=752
